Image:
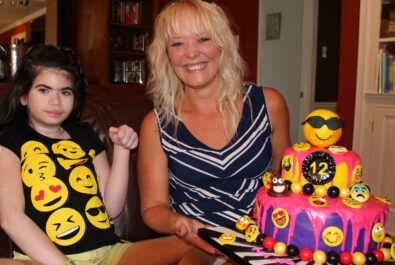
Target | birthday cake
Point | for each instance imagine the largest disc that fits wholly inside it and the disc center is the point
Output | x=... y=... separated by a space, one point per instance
x=320 y=202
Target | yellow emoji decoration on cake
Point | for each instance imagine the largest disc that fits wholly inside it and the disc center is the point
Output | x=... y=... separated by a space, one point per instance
x=378 y=232
x=251 y=233
x=280 y=218
x=323 y=127
x=243 y=222
x=332 y=236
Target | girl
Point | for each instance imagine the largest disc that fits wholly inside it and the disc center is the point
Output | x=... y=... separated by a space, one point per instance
x=53 y=205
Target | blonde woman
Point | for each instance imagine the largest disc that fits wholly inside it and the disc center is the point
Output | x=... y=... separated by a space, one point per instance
x=210 y=138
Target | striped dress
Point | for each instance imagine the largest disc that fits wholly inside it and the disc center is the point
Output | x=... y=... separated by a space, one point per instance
x=216 y=186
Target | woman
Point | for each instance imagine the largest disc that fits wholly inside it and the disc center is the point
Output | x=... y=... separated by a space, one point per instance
x=209 y=140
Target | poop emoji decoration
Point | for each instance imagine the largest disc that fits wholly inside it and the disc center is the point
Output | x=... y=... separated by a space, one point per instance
x=279 y=187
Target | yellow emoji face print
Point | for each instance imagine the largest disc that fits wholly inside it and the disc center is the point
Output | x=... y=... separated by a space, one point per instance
x=318 y=201
x=68 y=149
x=360 y=192
x=96 y=213
x=251 y=233
x=357 y=173
x=227 y=238
x=82 y=180
x=350 y=202
x=65 y=226
x=32 y=147
x=287 y=164
x=243 y=221
x=378 y=232
x=36 y=168
x=49 y=194
x=267 y=180
x=322 y=127
x=332 y=236
x=280 y=217
x=301 y=146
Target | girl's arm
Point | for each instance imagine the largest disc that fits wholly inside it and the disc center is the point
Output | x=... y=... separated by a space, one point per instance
x=19 y=227
x=113 y=182
x=279 y=117
x=153 y=182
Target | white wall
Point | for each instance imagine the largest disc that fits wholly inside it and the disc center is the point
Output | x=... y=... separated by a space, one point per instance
x=279 y=62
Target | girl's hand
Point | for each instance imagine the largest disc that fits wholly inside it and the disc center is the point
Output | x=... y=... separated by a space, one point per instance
x=186 y=229
x=124 y=136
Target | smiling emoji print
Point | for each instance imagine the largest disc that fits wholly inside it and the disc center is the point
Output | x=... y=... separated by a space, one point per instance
x=96 y=213
x=280 y=217
x=32 y=147
x=82 y=180
x=65 y=226
x=332 y=236
x=49 y=194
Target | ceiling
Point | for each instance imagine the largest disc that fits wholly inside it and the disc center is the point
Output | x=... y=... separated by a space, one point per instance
x=11 y=17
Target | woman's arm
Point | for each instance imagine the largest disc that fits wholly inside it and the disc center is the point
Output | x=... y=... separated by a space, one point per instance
x=113 y=181
x=279 y=117
x=19 y=227
x=153 y=181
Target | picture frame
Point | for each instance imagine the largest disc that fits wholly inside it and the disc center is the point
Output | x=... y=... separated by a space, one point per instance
x=139 y=42
x=273 y=26
x=132 y=12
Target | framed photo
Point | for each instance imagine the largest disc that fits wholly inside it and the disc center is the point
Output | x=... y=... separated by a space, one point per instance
x=139 y=42
x=132 y=12
x=273 y=26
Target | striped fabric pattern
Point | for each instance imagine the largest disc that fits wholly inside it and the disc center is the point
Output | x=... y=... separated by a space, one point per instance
x=217 y=186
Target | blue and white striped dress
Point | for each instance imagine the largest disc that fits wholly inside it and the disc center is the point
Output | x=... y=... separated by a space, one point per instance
x=215 y=186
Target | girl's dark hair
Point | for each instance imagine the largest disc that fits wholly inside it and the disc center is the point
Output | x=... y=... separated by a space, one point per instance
x=12 y=113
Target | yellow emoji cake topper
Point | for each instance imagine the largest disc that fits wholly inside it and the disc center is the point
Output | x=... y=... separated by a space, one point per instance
x=322 y=127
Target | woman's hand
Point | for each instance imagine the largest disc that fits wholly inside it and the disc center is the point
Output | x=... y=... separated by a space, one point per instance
x=187 y=229
x=124 y=136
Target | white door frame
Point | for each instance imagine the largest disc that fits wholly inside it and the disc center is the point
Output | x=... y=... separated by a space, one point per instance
x=308 y=57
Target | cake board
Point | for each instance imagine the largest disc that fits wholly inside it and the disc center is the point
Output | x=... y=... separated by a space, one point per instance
x=244 y=253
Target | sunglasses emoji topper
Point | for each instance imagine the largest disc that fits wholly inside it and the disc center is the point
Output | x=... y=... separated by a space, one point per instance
x=322 y=127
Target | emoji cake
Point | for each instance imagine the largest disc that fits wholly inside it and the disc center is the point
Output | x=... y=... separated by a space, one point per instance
x=320 y=203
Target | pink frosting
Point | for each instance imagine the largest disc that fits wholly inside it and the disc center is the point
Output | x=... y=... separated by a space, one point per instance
x=372 y=211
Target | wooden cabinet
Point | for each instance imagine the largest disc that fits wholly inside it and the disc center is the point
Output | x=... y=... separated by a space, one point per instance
x=374 y=124
x=105 y=43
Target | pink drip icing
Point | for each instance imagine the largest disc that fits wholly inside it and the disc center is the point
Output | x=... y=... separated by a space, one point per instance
x=372 y=211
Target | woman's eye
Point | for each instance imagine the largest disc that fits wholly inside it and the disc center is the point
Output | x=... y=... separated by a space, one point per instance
x=176 y=44
x=204 y=39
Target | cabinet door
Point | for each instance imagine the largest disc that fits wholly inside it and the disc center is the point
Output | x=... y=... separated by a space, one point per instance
x=381 y=165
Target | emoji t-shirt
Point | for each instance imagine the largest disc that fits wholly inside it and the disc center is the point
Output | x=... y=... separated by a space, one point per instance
x=61 y=187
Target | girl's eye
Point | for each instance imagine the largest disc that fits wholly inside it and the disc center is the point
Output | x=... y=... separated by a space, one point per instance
x=43 y=90
x=67 y=92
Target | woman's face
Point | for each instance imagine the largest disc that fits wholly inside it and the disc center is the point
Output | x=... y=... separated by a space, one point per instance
x=194 y=55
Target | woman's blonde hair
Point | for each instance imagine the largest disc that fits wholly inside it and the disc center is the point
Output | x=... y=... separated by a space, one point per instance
x=167 y=89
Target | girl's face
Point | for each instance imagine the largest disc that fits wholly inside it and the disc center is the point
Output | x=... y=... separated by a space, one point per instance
x=194 y=55
x=50 y=99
